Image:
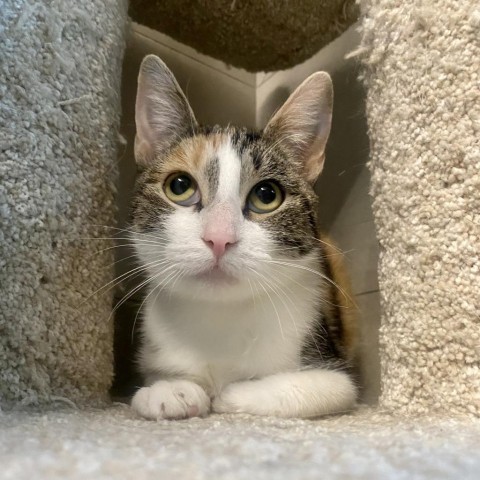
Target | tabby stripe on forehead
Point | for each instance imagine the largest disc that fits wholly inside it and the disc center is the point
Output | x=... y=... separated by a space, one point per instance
x=212 y=171
x=256 y=158
x=246 y=140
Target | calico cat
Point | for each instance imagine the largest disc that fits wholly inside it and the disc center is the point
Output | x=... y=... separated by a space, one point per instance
x=248 y=308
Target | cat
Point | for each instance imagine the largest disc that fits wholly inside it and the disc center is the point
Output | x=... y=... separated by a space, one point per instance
x=248 y=307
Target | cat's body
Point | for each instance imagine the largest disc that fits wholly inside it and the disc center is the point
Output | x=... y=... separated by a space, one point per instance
x=248 y=310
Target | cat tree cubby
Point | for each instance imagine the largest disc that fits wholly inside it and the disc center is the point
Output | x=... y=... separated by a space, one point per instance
x=222 y=94
x=59 y=127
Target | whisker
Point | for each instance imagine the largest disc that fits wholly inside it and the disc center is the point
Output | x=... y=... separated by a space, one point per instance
x=277 y=270
x=148 y=242
x=275 y=290
x=116 y=281
x=338 y=250
x=135 y=290
x=126 y=230
x=253 y=295
x=273 y=305
x=315 y=272
x=323 y=242
x=257 y=290
x=146 y=298
x=310 y=330
x=123 y=259
x=132 y=245
x=175 y=281
x=336 y=254
x=324 y=300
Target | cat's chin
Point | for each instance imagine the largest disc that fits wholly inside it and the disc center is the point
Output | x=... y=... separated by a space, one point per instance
x=216 y=277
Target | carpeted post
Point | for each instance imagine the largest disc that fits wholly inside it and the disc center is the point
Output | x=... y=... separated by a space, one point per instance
x=422 y=74
x=59 y=113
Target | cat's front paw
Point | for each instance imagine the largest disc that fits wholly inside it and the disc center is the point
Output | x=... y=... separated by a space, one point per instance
x=174 y=399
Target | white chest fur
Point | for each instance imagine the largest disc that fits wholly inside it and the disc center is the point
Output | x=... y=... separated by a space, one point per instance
x=219 y=342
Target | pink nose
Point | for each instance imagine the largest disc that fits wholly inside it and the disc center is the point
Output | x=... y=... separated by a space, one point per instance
x=219 y=241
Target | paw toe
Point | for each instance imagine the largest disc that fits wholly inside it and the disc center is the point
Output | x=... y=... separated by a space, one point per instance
x=171 y=400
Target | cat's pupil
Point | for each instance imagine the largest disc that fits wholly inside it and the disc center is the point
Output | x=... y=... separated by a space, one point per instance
x=265 y=193
x=180 y=184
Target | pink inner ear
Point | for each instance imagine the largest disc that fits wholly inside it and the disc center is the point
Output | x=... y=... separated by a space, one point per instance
x=143 y=152
x=144 y=139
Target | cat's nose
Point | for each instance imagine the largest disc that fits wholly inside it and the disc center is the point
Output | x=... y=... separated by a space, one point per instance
x=218 y=242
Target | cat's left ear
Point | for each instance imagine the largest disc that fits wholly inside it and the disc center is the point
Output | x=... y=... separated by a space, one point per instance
x=162 y=112
x=302 y=124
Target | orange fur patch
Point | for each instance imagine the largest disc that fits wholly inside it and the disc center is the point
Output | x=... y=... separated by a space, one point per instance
x=343 y=297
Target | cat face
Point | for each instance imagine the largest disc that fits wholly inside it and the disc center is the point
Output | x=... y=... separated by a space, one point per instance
x=218 y=209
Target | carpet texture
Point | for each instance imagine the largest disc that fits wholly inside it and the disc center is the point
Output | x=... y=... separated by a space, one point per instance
x=258 y=35
x=423 y=109
x=114 y=443
x=59 y=114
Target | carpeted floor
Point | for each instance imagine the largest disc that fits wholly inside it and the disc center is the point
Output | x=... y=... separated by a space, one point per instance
x=112 y=443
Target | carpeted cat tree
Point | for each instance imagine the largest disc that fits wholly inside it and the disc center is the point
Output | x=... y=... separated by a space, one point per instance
x=59 y=114
x=423 y=107
x=59 y=78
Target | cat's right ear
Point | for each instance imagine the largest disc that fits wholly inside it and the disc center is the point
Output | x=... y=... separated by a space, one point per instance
x=162 y=112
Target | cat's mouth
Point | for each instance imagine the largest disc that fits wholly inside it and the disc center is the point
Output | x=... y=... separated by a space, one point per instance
x=216 y=276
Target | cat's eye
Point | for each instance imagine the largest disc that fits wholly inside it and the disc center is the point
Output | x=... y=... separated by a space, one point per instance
x=182 y=189
x=265 y=197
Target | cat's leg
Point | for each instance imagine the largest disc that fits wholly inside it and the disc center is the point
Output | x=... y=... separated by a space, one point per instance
x=303 y=394
x=171 y=399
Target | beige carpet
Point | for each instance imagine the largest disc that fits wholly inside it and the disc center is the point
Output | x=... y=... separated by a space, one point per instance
x=422 y=65
x=113 y=443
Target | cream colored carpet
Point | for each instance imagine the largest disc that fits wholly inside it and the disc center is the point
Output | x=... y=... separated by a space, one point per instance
x=113 y=443
x=421 y=68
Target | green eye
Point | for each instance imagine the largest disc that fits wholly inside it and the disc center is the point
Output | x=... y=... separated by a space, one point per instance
x=182 y=189
x=265 y=197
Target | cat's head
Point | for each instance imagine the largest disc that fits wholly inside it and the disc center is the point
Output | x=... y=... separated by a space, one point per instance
x=217 y=210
